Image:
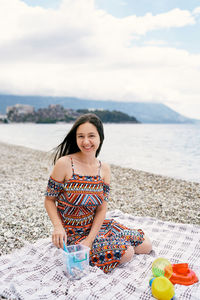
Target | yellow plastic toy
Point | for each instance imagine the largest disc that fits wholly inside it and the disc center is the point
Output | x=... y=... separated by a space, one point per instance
x=162 y=288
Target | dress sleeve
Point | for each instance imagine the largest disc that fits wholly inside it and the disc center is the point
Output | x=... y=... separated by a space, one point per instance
x=54 y=188
x=106 y=191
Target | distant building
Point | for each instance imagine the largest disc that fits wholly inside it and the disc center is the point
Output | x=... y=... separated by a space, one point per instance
x=20 y=113
x=20 y=109
x=95 y=109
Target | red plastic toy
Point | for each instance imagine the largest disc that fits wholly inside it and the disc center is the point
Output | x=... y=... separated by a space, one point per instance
x=182 y=275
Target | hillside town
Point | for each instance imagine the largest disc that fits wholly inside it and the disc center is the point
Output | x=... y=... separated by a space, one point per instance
x=21 y=113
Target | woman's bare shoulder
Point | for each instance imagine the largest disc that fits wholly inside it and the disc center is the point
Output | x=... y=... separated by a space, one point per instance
x=63 y=161
x=105 y=171
x=62 y=169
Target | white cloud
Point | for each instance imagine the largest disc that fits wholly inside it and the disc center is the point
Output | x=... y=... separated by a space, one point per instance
x=155 y=43
x=196 y=11
x=80 y=51
x=149 y=22
x=76 y=29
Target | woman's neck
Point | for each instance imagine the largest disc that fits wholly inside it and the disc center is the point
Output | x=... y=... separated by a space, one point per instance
x=85 y=159
x=86 y=165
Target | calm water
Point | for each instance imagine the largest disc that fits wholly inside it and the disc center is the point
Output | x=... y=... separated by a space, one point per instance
x=172 y=150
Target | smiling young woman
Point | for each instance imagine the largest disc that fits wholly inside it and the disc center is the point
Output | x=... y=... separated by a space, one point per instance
x=77 y=195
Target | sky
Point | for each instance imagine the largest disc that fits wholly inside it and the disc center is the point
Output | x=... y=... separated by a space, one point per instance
x=121 y=50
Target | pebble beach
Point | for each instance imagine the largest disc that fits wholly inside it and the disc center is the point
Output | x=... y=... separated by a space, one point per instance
x=23 y=179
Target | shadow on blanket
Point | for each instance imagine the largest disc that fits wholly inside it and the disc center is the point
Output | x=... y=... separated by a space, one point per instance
x=35 y=271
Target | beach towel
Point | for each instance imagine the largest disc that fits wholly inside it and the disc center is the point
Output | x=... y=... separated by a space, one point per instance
x=35 y=271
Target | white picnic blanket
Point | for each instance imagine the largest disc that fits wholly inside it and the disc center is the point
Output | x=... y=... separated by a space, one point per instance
x=35 y=272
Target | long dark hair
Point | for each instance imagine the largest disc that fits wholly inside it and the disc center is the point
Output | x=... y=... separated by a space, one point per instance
x=69 y=145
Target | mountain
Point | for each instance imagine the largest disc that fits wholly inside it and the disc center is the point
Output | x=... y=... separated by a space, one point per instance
x=145 y=112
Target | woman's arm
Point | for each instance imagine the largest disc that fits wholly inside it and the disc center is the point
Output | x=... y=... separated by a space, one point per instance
x=58 y=234
x=59 y=173
x=100 y=212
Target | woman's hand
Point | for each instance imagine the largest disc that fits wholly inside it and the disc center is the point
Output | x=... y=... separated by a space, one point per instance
x=58 y=236
x=86 y=242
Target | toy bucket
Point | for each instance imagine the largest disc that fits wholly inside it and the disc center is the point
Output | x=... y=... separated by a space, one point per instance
x=76 y=261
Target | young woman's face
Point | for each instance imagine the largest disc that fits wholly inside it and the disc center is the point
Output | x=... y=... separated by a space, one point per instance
x=87 y=138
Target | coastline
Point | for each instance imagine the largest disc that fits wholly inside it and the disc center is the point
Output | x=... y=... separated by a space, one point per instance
x=23 y=179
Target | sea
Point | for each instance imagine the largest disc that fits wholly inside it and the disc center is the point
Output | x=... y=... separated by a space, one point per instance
x=166 y=149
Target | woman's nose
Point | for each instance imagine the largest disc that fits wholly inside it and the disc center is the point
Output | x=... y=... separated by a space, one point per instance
x=86 y=140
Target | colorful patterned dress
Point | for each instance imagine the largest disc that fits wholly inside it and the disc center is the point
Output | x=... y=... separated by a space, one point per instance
x=77 y=200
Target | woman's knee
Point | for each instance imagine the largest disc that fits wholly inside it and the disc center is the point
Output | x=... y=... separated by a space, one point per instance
x=128 y=255
x=145 y=247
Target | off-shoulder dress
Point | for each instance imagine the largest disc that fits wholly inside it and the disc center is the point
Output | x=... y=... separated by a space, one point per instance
x=77 y=200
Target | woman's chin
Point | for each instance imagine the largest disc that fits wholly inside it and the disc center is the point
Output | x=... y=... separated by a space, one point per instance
x=88 y=151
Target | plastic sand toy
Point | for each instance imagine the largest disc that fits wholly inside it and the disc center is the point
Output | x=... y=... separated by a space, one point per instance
x=176 y=273
x=162 y=267
x=76 y=260
x=165 y=275
x=183 y=275
x=162 y=288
